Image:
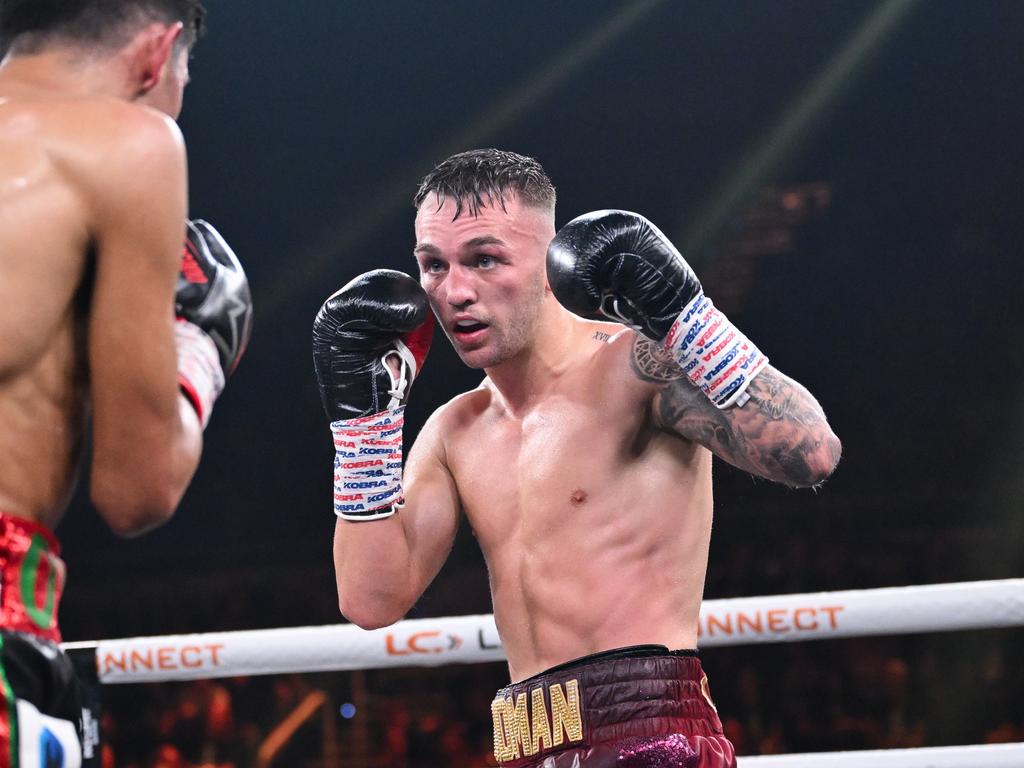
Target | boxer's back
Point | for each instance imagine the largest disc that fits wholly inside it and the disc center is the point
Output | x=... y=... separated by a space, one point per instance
x=44 y=293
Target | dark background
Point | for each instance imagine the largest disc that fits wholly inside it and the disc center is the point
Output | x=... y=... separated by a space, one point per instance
x=896 y=301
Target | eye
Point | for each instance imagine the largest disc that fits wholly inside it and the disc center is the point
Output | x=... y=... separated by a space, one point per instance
x=433 y=266
x=486 y=261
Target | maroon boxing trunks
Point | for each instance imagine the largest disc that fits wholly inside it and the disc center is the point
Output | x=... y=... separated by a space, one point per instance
x=637 y=707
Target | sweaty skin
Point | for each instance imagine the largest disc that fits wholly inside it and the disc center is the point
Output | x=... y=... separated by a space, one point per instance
x=582 y=462
x=595 y=524
x=92 y=205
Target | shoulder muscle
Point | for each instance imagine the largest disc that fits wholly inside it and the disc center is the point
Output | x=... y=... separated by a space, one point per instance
x=130 y=167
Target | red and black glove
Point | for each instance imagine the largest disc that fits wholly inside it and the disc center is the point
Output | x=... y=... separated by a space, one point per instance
x=213 y=310
x=380 y=317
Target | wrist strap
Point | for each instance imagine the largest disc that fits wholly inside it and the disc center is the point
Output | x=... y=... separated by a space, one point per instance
x=368 y=465
x=713 y=353
x=199 y=373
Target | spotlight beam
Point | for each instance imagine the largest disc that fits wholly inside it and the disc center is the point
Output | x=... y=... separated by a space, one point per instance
x=321 y=256
x=793 y=127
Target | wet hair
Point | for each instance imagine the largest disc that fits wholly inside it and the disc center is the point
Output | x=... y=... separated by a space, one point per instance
x=478 y=177
x=28 y=26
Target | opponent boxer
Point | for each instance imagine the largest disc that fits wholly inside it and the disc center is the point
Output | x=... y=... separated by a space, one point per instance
x=92 y=276
x=582 y=462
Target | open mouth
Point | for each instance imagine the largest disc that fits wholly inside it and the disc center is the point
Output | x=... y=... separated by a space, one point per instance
x=467 y=330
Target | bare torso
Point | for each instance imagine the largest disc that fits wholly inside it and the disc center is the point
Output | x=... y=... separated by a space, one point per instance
x=594 y=523
x=44 y=284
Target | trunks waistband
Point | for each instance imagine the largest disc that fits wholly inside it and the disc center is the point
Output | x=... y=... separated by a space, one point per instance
x=638 y=691
x=31 y=578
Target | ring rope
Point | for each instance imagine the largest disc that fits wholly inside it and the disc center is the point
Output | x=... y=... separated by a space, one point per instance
x=982 y=756
x=474 y=639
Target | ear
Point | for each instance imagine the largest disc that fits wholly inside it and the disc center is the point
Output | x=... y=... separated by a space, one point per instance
x=155 y=47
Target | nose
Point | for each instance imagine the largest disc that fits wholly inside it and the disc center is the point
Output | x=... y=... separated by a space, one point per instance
x=461 y=288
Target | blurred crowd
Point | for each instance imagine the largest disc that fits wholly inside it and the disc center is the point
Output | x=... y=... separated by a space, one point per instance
x=854 y=694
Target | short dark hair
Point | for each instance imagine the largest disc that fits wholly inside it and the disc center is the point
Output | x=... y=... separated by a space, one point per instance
x=27 y=26
x=480 y=176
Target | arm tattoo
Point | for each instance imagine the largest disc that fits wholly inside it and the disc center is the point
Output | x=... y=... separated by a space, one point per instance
x=603 y=337
x=777 y=399
x=780 y=434
x=653 y=364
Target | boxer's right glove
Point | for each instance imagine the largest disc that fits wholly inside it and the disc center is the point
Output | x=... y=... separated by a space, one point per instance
x=618 y=265
x=380 y=317
x=213 y=312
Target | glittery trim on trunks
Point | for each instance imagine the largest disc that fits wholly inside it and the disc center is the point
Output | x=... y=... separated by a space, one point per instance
x=31 y=578
x=637 y=707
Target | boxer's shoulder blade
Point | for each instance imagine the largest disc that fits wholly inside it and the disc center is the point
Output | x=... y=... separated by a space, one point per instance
x=44 y=229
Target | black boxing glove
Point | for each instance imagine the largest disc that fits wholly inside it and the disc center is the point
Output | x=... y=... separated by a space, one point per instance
x=380 y=316
x=213 y=310
x=617 y=265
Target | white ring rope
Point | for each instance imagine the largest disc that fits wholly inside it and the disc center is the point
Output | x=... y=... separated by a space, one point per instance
x=987 y=756
x=473 y=639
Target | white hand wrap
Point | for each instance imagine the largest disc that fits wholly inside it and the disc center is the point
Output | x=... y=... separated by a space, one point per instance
x=368 y=465
x=199 y=371
x=713 y=353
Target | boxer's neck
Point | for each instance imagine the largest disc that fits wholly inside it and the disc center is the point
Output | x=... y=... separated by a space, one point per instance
x=68 y=72
x=526 y=378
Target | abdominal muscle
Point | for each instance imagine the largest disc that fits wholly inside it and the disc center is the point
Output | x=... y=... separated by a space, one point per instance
x=594 y=540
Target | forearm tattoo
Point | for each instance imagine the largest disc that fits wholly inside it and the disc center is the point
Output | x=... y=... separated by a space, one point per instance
x=776 y=397
x=781 y=433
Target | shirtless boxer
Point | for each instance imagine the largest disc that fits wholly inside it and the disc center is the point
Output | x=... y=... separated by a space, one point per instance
x=92 y=211
x=582 y=462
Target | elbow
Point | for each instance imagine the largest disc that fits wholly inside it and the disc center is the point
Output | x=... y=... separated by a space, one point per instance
x=820 y=463
x=129 y=514
x=371 y=620
x=832 y=452
x=369 y=614
x=131 y=520
x=139 y=475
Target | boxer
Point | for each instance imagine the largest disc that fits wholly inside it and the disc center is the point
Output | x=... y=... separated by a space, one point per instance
x=582 y=462
x=106 y=318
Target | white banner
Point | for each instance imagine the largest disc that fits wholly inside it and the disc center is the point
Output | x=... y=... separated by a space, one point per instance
x=986 y=756
x=417 y=642
x=862 y=612
x=474 y=639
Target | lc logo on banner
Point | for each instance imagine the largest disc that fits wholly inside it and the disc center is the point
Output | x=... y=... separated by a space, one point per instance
x=422 y=642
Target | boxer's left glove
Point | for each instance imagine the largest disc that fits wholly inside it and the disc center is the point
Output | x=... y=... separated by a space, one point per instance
x=617 y=265
x=378 y=322
x=213 y=312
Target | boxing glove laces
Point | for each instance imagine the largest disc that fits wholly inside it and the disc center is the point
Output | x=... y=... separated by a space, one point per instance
x=617 y=265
